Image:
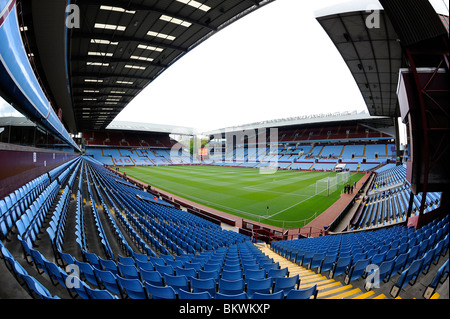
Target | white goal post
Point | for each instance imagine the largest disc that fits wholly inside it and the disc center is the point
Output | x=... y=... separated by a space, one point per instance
x=326 y=186
x=343 y=177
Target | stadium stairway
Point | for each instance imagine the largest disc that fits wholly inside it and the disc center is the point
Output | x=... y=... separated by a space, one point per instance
x=336 y=288
x=328 y=288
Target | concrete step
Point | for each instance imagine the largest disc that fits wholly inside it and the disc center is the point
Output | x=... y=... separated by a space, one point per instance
x=328 y=288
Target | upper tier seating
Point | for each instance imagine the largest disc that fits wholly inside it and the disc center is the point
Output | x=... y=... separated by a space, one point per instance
x=388 y=200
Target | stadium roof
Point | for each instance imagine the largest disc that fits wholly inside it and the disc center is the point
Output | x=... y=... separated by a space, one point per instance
x=148 y=127
x=94 y=71
x=16 y=121
x=337 y=117
x=370 y=46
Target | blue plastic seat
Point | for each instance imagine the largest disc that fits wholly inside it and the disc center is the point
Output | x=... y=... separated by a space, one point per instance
x=251 y=266
x=231 y=287
x=316 y=260
x=286 y=284
x=254 y=274
x=428 y=260
x=92 y=259
x=177 y=282
x=306 y=260
x=276 y=295
x=160 y=292
x=37 y=288
x=38 y=260
x=378 y=259
x=356 y=271
x=189 y=273
x=212 y=267
x=306 y=293
x=109 y=264
x=232 y=275
x=327 y=263
x=340 y=267
x=259 y=285
x=128 y=271
x=408 y=276
x=242 y=295
x=55 y=273
x=164 y=269
x=391 y=254
x=146 y=265
x=140 y=257
x=125 y=260
x=278 y=273
x=399 y=263
x=412 y=254
x=67 y=258
x=207 y=274
x=194 y=265
x=107 y=280
x=131 y=288
x=231 y=267
x=183 y=294
x=440 y=277
x=87 y=272
x=200 y=285
x=383 y=273
x=99 y=293
x=152 y=276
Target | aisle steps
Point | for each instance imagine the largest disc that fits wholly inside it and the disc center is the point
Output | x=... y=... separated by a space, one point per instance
x=328 y=288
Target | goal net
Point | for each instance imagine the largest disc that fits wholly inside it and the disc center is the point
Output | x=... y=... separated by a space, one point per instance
x=343 y=177
x=326 y=186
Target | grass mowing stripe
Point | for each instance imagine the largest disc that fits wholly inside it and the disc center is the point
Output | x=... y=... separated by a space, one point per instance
x=244 y=192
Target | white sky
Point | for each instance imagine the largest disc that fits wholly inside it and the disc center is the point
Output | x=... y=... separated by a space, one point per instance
x=274 y=63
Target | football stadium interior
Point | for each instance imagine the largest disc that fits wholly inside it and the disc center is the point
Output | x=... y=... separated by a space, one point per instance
x=327 y=206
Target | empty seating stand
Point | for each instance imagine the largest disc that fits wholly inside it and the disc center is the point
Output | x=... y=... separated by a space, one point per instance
x=123 y=247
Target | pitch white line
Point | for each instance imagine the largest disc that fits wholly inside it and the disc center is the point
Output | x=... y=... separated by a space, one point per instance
x=290 y=206
x=275 y=192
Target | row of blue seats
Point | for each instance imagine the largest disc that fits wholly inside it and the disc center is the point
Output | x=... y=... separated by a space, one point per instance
x=59 y=217
x=120 y=218
x=382 y=209
x=392 y=241
x=439 y=278
x=110 y=286
x=38 y=259
x=15 y=204
x=383 y=239
x=418 y=262
x=390 y=176
x=62 y=200
x=126 y=200
x=199 y=228
x=167 y=273
x=29 y=224
x=395 y=254
x=34 y=287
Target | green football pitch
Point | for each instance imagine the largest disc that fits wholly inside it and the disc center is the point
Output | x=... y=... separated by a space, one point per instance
x=285 y=198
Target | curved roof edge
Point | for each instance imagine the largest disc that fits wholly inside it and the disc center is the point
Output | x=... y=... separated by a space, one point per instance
x=149 y=127
x=302 y=120
x=364 y=5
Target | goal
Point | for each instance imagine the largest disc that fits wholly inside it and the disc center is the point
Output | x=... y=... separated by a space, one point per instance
x=326 y=186
x=343 y=177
